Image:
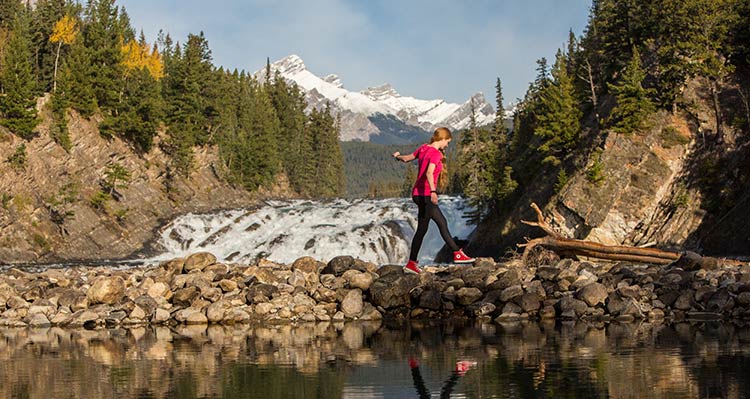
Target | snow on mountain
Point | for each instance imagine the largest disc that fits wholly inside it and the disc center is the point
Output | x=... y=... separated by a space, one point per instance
x=358 y=108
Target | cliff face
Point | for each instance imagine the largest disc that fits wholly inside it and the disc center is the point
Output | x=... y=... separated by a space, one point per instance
x=47 y=213
x=680 y=183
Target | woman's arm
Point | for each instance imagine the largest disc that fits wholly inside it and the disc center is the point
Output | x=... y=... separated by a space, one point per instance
x=431 y=182
x=404 y=158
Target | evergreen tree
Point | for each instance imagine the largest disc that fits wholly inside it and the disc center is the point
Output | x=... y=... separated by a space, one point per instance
x=328 y=180
x=17 y=106
x=478 y=164
x=559 y=125
x=102 y=33
x=9 y=10
x=633 y=101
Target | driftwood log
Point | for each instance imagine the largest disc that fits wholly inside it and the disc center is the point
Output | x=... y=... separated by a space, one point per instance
x=567 y=246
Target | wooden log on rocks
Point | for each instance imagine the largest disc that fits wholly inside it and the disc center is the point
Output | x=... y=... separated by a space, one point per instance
x=558 y=243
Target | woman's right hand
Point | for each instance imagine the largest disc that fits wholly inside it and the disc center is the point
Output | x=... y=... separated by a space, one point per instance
x=434 y=198
x=396 y=154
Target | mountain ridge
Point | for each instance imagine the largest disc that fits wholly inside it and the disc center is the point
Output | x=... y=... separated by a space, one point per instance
x=357 y=108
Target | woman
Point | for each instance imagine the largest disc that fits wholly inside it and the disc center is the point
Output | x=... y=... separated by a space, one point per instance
x=431 y=158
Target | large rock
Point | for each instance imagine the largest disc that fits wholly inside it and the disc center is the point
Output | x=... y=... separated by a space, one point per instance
x=185 y=296
x=430 y=299
x=468 y=295
x=307 y=265
x=261 y=293
x=107 y=290
x=199 y=261
x=340 y=264
x=529 y=302
x=392 y=290
x=352 y=304
x=510 y=293
x=593 y=294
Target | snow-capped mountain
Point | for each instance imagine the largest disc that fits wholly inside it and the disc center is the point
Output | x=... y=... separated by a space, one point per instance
x=380 y=113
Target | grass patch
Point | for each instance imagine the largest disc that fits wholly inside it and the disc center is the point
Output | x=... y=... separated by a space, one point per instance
x=671 y=137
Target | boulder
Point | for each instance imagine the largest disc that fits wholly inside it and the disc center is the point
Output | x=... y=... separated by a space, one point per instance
x=340 y=264
x=529 y=302
x=510 y=293
x=352 y=304
x=185 y=296
x=199 y=261
x=392 y=290
x=430 y=299
x=109 y=290
x=307 y=265
x=593 y=294
x=468 y=295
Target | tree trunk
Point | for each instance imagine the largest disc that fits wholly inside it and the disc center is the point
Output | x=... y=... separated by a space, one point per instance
x=57 y=58
x=556 y=242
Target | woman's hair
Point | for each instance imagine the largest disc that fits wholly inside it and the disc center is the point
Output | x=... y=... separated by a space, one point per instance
x=442 y=133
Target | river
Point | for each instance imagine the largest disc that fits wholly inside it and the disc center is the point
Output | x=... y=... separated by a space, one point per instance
x=370 y=360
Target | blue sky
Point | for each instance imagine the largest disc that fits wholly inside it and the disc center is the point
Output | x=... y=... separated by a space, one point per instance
x=425 y=49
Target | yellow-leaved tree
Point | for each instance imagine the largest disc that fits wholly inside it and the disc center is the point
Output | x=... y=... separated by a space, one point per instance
x=138 y=55
x=64 y=32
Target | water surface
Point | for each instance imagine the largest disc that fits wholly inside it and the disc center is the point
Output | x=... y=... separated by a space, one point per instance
x=372 y=360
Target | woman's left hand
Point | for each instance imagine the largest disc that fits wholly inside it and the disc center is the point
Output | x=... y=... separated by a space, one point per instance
x=434 y=198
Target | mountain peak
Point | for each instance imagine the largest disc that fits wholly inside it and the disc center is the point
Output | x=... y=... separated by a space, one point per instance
x=289 y=65
x=381 y=92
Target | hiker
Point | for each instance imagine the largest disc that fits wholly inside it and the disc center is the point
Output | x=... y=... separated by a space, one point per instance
x=431 y=159
x=459 y=371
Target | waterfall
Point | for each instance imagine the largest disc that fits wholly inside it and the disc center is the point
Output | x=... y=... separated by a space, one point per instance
x=374 y=230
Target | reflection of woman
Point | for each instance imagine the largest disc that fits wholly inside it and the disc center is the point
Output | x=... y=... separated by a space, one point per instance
x=461 y=368
x=431 y=159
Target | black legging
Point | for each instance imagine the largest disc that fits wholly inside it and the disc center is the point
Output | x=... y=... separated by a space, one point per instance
x=422 y=391
x=429 y=211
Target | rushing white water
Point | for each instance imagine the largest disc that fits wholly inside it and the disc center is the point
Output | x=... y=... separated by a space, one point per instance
x=378 y=231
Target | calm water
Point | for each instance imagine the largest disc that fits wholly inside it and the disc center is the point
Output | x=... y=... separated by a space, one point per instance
x=372 y=361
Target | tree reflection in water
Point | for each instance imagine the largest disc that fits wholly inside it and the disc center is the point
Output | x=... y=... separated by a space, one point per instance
x=328 y=360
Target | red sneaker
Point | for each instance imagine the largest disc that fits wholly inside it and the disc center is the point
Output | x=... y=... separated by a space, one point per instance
x=460 y=257
x=412 y=267
x=463 y=366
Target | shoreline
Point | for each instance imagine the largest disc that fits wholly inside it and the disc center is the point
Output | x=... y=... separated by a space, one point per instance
x=198 y=290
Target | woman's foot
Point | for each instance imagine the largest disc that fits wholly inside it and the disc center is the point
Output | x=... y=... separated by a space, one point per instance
x=463 y=366
x=412 y=267
x=460 y=257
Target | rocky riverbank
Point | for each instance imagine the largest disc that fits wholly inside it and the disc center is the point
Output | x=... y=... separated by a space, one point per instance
x=198 y=290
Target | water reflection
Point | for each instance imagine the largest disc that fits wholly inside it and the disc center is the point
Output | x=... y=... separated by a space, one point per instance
x=365 y=360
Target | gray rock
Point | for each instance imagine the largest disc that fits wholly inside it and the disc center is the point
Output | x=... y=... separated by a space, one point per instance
x=684 y=301
x=529 y=302
x=510 y=293
x=456 y=283
x=547 y=312
x=593 y=294
x=352 y=304
x=507 y=279
x=615 y=304
x=480 y=308
x=138 y=314
x=392 y=290
x=217 y=311
x=468 y=295
x=261 y=293
x=39 y=320
x=148 y=304
x=547 y=273
x=199 y=261
x=184 y=297
x=568 y=304
x=720 y=301
x=430 y=299
x=340 y=264
x=743 y=299
x=109 y=290
x=196 y=318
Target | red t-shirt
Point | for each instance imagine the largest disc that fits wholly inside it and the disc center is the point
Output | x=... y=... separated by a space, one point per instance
x=427 y=154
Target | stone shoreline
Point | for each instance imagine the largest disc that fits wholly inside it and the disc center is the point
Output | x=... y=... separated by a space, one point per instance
x=198 y=290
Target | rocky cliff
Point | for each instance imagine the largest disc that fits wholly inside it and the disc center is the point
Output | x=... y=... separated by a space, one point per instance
x=680 y=183
x=48 y=209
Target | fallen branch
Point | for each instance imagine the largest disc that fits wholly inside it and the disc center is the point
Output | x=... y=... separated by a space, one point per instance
x=557 y=242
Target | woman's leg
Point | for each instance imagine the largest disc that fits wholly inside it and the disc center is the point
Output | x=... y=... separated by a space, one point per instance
x=434 y=213
x=423 y=222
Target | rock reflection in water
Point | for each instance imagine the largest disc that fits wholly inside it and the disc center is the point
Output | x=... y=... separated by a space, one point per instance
x=329 y=360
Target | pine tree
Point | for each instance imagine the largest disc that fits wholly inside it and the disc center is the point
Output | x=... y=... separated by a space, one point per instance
x=478 y=162
x=9 y=10
x=47 y=16
x=559 y=125
x=102 y=33
x=17 y=106
x=633 y=101
x=328 y=180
